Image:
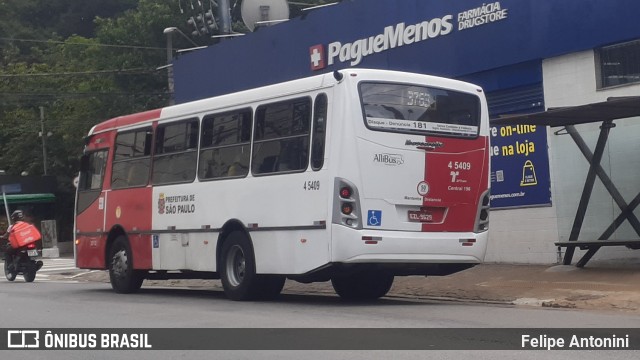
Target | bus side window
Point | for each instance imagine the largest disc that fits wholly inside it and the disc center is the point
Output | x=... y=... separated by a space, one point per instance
x=225 y=145
x=281 y=137
x=138 y=173
x=175 y=157
x=319 y=132
x=92 y=166
x=92 y=169
x=132 y=159
x=266 y=156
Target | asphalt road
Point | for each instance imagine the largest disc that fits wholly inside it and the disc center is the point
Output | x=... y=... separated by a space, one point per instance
x=64 y=304
x=93 y=305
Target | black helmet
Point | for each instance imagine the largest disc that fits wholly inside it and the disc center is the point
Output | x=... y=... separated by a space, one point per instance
x=17 y=215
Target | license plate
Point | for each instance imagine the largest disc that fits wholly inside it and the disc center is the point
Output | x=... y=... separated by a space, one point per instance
x=32 y=252
x=420 y=216
x=428 y=214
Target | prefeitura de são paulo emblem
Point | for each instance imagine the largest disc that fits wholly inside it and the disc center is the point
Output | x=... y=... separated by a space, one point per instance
x=161 y=204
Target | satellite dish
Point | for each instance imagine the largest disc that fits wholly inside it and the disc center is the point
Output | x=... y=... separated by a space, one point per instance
x=264 y=11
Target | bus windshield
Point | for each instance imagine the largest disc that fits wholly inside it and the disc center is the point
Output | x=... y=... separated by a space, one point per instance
x=418 y=109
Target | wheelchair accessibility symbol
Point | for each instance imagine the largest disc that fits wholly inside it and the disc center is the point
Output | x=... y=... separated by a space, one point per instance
x=374 y=217
x=156 y=241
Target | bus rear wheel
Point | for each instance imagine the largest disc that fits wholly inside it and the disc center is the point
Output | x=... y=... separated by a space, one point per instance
x=124 y=279
x=362 y=286
x=238 y=272
x=238 y=268
x=270 y=286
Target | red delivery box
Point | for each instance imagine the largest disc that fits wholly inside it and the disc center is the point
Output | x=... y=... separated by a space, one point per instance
x=22 y=234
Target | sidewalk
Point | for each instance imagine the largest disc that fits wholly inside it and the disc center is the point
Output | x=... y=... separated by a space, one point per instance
x=593 y=288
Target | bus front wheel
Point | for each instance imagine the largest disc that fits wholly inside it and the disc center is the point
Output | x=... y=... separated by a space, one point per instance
x=124 y=279
x=362 y=286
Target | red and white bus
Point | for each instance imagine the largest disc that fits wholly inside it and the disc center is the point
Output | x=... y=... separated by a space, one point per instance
x=354 y=177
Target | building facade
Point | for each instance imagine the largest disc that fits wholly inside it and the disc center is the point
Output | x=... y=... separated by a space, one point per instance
x=528 y=55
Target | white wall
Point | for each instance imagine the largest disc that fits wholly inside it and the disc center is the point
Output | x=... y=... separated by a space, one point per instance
x=527 y=235
x=523 y=236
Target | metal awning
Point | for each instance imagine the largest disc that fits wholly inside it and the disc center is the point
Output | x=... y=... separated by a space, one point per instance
x=28 y=198
x=612 y=109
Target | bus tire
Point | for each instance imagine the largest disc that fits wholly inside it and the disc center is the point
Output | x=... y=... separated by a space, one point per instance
x=124 y=279
x=270 y=286
x=362 y=286
x=238 y=268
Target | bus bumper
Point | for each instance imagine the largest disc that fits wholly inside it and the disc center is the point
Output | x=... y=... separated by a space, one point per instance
x=350 y=246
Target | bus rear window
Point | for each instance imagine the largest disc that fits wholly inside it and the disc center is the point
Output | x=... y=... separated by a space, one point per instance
x=418 y=109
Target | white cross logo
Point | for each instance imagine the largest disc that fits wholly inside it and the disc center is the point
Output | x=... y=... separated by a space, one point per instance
x=316 y=54
x=316 y=57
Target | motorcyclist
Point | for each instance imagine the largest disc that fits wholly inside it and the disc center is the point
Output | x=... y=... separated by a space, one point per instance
x=16 y=217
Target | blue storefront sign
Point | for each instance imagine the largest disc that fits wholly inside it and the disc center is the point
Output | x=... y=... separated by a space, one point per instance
x=498 y=45
x=437 y=37
x=519 y=166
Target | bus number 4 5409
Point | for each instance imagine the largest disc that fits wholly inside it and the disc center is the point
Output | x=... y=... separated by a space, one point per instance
x=459 y=165
x=311 y=185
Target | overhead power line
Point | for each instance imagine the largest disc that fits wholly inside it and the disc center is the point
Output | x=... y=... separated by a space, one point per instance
x=83 y=44
x=7 y=98
x=91 y=93
x=133 y=71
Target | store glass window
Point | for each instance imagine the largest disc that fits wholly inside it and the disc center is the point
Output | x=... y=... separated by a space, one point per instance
x=618 y=64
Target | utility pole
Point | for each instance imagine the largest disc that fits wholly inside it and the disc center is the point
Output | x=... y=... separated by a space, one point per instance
x=170 y=83
x=169 y=34
x=44 y=141
x=224 y=13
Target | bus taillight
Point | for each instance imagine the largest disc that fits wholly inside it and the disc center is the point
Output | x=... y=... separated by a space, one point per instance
x=345 y=192
x=347 y=209
x=346 y=204
x=482 y=216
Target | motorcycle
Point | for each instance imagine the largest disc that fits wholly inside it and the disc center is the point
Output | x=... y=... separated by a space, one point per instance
x=23 y=261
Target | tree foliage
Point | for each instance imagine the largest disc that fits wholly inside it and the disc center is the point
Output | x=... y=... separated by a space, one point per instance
x=76 y=79
x=84 y=62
